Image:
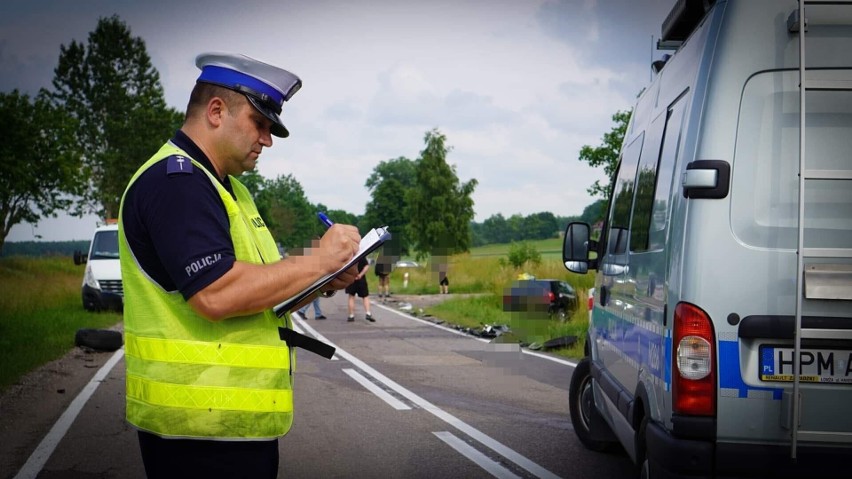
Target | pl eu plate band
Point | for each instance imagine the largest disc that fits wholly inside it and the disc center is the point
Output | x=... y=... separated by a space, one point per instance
x=298 y=340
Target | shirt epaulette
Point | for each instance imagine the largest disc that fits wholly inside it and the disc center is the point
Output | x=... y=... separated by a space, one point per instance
x=178 y=165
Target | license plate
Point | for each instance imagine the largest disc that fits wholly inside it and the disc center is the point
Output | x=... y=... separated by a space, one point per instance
x=817 y=365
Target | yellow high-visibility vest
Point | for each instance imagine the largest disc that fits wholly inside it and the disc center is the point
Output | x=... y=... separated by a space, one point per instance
x=193 y=378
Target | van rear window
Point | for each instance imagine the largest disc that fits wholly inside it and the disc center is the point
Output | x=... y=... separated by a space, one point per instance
x=764 y=210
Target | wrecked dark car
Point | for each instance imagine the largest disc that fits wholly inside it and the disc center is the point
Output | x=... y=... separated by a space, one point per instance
x=551 y=298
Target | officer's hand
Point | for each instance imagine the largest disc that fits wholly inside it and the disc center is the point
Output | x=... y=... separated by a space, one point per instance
x=344 y=279
x=338 y=245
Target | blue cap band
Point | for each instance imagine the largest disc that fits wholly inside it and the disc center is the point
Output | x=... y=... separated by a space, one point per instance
x=231 y=79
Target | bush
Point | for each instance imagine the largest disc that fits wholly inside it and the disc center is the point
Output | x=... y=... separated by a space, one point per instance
x=523 y=253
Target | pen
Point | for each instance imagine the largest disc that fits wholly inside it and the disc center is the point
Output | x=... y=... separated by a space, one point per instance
x=327 y=222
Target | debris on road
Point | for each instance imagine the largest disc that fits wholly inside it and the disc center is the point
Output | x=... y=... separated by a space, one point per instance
x=497 y=333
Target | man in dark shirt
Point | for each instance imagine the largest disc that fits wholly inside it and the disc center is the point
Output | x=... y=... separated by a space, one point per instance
x=359 y=287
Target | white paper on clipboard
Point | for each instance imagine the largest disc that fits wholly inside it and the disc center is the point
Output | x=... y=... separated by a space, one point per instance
x=369 y=243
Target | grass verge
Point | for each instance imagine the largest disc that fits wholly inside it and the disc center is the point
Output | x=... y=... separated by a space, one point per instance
x=40 y=312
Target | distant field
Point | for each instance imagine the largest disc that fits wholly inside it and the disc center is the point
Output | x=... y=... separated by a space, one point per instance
x=481 y=271
x=548 y=247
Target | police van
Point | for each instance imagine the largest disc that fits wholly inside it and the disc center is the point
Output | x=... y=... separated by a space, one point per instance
x=102 y=287
x=720 y=342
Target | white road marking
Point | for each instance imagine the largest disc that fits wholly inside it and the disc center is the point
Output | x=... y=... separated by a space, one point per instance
x=474 y=433
x=481 y=460
x=47 y=445
x=381 y=393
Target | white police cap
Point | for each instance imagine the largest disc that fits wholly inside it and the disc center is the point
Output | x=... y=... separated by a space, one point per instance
x=267 y=87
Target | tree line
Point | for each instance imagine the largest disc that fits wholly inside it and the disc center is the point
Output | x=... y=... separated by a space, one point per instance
x=74 y=148
x=292 y=219
x=44 y=248
x=537 y=226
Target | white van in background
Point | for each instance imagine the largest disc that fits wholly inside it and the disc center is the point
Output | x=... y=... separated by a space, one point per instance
x=720 y=342
x=102 y=287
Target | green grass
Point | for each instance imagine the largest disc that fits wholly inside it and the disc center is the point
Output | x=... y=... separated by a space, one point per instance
x=40 y=312
x=548 y=248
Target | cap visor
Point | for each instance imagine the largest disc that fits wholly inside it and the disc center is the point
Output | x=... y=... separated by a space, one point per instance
x=277 y=129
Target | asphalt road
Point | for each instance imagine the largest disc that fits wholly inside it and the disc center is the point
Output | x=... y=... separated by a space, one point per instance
x=402 y=398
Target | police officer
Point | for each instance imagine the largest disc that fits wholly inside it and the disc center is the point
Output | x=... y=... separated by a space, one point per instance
x=208 y=379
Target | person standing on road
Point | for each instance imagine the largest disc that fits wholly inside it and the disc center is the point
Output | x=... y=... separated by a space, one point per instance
x=383 y=270
x=360 y=287
x=317 y=311
x=443 y=282
x=208 y=378
x=442 y=266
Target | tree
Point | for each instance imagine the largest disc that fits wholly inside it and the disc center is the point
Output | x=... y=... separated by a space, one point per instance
x=515 y=227
x=495 y=229
x=594 y=212
x=341 y=216
x=607 y=154
x=38 y=170
x=439 y=206
x=111 y=89
x=388 y=185
x=540 y=226
x=254 y=182
x=288 y=214
x=284 y=207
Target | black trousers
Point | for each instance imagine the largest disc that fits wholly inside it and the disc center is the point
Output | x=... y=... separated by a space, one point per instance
x=186 y=458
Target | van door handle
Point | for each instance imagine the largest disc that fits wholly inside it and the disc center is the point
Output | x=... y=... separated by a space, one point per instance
x=706 y=179
x=603 y=297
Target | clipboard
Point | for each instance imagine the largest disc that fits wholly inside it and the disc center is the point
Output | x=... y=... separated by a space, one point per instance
x=369 y=243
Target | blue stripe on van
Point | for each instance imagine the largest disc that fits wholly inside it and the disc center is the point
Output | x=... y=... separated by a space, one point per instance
x=644 y=343
x=729 y=371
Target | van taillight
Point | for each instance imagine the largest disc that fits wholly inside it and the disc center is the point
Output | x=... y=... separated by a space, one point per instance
x=551 y=297
x=694 y=344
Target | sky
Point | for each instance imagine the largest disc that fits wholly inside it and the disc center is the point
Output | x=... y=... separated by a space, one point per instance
x=516 y=86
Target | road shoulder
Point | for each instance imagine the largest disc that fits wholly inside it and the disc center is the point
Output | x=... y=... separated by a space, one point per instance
x=30 y=407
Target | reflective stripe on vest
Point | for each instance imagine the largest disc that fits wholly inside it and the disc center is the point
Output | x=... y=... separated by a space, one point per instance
x=208 y=397
x=200 y=352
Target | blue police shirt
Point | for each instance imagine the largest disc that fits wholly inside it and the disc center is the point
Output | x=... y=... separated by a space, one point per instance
x=176 y=224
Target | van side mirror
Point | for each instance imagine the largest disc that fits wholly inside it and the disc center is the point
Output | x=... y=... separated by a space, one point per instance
x=576 y=247
x=79 y=257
